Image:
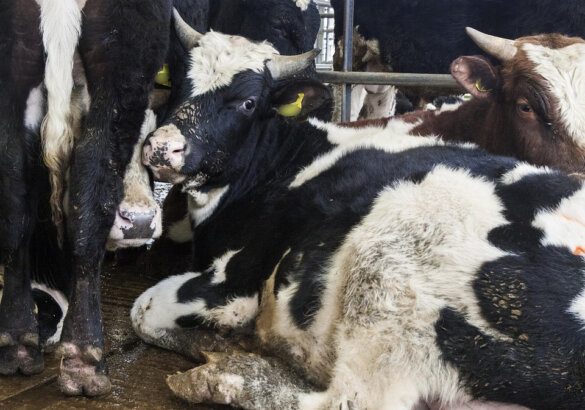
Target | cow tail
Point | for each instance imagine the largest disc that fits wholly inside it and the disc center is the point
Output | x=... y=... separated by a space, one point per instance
x=61 y=28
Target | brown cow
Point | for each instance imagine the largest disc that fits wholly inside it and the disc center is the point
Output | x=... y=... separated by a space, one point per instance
x=530 y=107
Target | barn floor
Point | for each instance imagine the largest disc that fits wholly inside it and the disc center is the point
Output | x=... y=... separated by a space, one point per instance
x=137 y=370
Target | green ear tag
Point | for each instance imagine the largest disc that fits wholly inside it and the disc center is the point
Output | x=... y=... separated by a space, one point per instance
x=163 y=76
x=293 y=109
x=480 y=86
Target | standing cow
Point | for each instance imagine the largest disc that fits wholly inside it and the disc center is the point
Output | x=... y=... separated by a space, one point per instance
x=386 y=268
x=121 y=46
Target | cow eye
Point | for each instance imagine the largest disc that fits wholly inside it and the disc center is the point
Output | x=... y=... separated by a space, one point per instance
x=525 y=107
x=247 y=107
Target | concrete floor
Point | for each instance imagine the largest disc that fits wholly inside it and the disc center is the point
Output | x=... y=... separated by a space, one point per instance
x=137 y=371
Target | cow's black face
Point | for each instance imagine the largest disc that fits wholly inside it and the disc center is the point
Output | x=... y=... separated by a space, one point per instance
x=205 y=131
x=227 y=88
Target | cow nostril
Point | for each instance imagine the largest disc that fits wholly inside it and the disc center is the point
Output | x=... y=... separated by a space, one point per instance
x=179 y=150
x=124 y=216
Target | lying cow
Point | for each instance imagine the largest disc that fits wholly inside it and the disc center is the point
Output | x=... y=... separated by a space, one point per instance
x=528 y=107
x=425 y=36
x=386 y=268
x=520 y=108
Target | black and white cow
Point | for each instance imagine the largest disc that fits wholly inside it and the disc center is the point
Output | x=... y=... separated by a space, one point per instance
x=121 y=45
x=387 y=268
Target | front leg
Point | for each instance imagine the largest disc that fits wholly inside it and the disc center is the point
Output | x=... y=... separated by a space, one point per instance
x=191 y=300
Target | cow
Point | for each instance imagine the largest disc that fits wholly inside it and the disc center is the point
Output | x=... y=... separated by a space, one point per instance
x=528 y=106
x=291 y=27
x=111 y=70
x=121 y=45
x=425 y=36
x=385 y=267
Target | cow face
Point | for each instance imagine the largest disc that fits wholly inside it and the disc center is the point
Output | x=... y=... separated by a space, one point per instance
x=230 y=83
x=538 y=89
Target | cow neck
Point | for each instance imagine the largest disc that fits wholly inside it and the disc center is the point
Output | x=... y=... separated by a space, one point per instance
x=471 y=122
x=275 y=151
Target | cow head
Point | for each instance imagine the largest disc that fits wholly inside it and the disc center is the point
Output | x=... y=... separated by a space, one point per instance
x=538 y=92
x=138 y=218
x=231 y=82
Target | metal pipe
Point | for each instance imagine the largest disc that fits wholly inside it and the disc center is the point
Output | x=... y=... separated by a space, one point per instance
x=347 y=57
x=397 y=79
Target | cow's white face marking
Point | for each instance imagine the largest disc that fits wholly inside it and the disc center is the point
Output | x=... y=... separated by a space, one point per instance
x=35 y=105
x=219 y=57
x=564 y=69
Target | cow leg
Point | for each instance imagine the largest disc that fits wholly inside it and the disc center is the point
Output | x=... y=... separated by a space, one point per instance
x=19 y=339
x=95 y=188
x=191 y=300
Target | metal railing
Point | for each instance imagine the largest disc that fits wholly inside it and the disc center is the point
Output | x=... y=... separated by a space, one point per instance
x=347 y=77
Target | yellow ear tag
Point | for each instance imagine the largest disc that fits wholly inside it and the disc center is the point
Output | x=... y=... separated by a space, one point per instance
x=480 y=86
x=163 y=76
x=292 y=109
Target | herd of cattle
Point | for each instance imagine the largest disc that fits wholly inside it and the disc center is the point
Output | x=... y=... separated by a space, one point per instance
x=428 y=260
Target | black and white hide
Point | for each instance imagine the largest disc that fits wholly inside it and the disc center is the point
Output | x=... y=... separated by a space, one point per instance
x=386 y=268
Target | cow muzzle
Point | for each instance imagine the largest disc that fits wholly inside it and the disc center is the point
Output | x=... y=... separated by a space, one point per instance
x=134 y=225
x=164 y=153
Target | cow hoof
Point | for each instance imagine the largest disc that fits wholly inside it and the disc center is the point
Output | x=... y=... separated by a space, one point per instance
x=81 y=372
x=21 y=353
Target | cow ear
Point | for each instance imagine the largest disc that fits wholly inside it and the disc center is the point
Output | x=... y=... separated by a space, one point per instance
x=477 y=75
x=299 y=99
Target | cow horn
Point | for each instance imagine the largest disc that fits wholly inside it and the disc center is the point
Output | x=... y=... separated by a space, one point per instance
x=188 y=36
x=501 y=48
x=284 y=66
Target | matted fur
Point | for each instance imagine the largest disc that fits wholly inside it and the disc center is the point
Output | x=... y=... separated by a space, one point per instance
x=219 y=57
x=61 y=28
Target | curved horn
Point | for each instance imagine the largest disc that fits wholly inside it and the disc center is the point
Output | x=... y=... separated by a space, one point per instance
x=284 y=66
x=188 y=36
x=501 y=48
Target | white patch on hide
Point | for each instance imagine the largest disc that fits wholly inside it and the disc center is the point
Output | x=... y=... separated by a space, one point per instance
x=61 y=300
x=565 y=225
x=236 y=312
x=181 y=231
x=157 y=308
x=577 y=308
x=522 y=170
x=564 y=70
x=392 y=138
x=219 y=265
x=389 y=281
x=219 y=57
x=201 y=205
x=35 y=109
x=302 y=4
